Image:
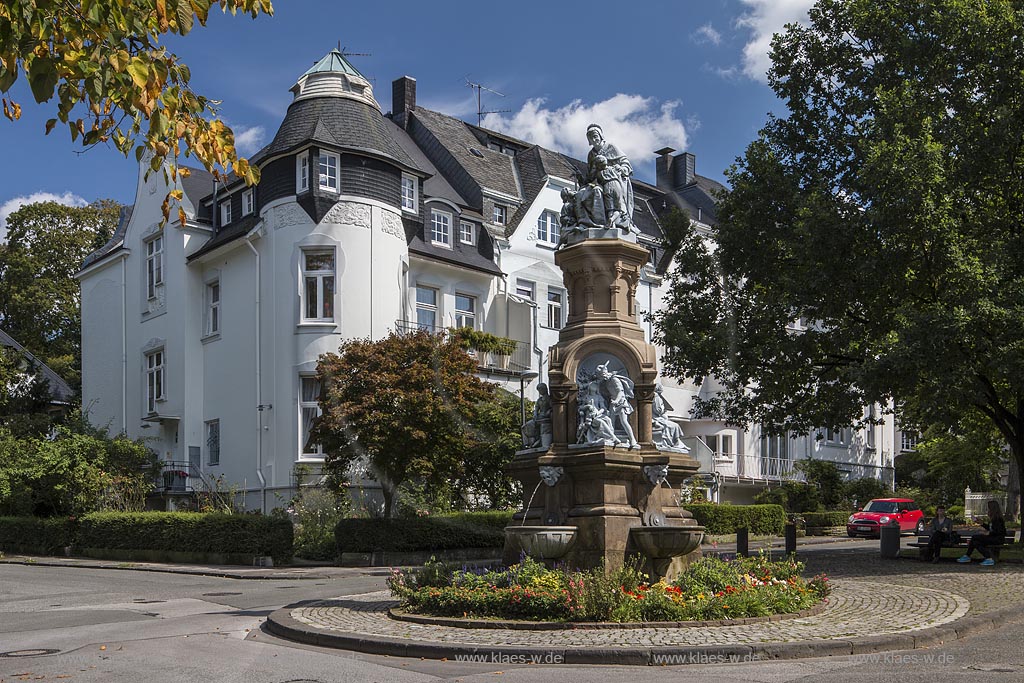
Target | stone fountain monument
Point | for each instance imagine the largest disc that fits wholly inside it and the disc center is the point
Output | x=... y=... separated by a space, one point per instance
x=600 y=457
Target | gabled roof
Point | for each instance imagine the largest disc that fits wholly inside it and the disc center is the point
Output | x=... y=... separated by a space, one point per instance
x=60 y=391
x=116 y=240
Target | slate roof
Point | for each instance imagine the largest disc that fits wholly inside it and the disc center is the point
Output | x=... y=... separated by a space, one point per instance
x=338 y=122
x=490 y=169
x=435 y=185
x=116 y=240
x=60 y=391
x=229 y=233
x=476 y=257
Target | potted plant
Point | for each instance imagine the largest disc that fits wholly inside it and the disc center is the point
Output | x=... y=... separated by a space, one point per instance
x=499 y=348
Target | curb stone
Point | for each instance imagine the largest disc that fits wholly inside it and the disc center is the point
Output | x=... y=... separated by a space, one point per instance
x=282 y=624
x=191 y=571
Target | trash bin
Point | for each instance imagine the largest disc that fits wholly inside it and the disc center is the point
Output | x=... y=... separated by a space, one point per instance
x=889 y=535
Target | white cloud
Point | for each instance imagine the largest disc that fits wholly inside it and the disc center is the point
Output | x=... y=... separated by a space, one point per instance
x=249 y=140
x=12 y=205
x=636 y=125
x=706 y=34
x=765 y=19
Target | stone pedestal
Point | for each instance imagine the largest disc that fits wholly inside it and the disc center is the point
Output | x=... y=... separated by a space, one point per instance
x=603 y=490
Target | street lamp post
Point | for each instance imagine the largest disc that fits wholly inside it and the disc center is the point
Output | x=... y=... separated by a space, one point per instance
x=525 y=377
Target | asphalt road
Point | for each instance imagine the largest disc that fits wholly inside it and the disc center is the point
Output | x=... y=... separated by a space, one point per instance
x=114 y=626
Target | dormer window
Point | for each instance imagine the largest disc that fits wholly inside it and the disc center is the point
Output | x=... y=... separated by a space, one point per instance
x=410 y=193
x=328 y=171
x=225 y=212
x=500 y=214
x=467 y=232
x=248 y=204
x=441 y=228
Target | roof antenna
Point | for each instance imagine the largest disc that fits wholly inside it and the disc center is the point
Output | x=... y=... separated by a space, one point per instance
x=479 y=104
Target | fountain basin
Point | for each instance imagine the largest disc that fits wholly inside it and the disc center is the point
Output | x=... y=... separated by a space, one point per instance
x=661 y=544
x=542 y=542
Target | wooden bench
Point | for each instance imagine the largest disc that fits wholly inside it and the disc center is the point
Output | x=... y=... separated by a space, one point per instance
x=922 y=546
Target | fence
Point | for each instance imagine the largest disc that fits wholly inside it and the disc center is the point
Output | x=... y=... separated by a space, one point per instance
x=976 y=504
x=518 y=362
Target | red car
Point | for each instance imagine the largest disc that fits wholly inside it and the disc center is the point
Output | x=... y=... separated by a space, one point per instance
x=879 y=511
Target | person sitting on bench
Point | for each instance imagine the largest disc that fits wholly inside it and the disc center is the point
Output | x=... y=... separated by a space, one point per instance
x=940 y=530
x=996 y=528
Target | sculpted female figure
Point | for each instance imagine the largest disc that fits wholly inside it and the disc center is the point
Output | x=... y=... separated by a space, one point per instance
x=606 y=198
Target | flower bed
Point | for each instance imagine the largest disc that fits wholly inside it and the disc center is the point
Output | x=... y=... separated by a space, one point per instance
x=711 y=589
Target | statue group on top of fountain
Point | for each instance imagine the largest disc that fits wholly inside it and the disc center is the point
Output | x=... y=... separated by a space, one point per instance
x=604 y=198
x=603 y=406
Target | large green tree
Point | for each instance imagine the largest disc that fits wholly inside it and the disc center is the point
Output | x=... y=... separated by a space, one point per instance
x=403 y=405
x=886 y=211
x=39 y=296
x=113 y=81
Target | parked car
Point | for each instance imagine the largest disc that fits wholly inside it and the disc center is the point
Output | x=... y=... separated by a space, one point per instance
x=879 y=511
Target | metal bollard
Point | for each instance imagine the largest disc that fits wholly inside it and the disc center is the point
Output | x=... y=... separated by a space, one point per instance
x=742 y=541
x=790 y=538
x=889 y=540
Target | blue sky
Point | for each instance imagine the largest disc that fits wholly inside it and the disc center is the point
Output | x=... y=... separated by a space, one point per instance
x=688 y=74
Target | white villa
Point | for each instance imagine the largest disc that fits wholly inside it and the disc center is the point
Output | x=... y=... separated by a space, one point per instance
x=203 y=337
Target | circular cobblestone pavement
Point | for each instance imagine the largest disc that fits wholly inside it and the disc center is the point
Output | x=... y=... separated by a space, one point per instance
x=856 y=608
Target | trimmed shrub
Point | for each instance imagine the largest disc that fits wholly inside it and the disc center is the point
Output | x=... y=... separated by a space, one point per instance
x=46 y=536
x=443 y=532
x=188 y=531
x=763 y=520
x=825 y=519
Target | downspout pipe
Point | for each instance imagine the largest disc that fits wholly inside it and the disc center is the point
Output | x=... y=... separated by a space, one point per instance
x=259 y=383
x=124 y=345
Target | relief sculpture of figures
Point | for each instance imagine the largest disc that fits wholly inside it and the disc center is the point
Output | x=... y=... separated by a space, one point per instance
x=605 y=196
x=604 y=408
x=537 y=430
x=666 y=434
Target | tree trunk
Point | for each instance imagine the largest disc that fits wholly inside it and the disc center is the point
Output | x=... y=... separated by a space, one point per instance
x=1016 y=468
x=389 y=492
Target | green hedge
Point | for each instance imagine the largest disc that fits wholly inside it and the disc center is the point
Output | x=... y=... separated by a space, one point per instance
x=762 y=520
x=45 y=536
x=444 y=532
x=824 y=519
x=188 y=531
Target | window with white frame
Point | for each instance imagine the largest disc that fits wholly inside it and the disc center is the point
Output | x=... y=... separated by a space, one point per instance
x=467 y=232
x=154 y=265
x=838 y=436
x=328 y=171
x=548 y=229
x=555 y=308
x=410 y=193
x=212 y=442
x=248 y=206
x=225 y=212
x=426 y=307
x=318 y=285
x=776 y=458
x=500 y=214
x=909 y=441
x=213 y=307
x=302 y=172
x=465 y=310
x=309 y=410
x=154 y=379
x=526 y=290
x=440 y=228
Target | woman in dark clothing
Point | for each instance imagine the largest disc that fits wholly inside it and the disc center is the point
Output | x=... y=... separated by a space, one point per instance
x=941 y=528
x=996 y=528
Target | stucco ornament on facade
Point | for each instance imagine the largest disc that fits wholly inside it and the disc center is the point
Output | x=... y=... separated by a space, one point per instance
x=348 y=213
x=285 y=216
x=391 y=224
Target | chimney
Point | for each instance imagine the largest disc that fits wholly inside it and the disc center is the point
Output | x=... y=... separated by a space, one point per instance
x=403 y=98
x=684 y=169
x=663 y=166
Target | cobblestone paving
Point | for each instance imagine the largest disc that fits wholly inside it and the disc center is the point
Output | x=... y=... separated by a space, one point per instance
x=856 y=608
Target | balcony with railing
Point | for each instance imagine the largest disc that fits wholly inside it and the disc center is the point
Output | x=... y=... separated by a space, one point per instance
x=178 y=476
x=753 y=467
x=490 y=362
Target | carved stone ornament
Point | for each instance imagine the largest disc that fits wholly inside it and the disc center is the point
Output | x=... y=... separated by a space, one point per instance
x=349 y=213
x=604 y=403
x=550 y=474
x=656 y=474
x=391 y=224
x=287 y=215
